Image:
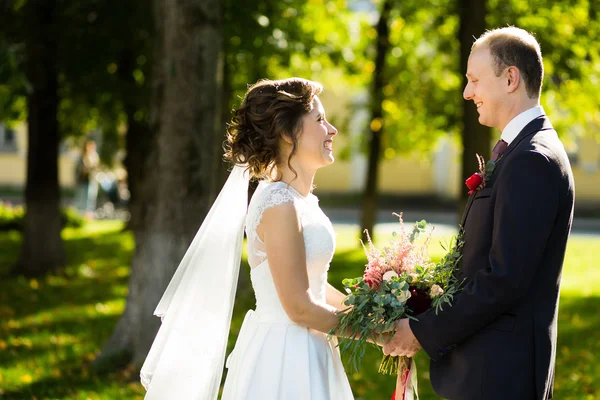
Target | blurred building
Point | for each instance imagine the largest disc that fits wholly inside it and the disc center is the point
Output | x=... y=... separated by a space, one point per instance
x=425 y=175
x=13 y=159
x=439 y=174
x=414 y=175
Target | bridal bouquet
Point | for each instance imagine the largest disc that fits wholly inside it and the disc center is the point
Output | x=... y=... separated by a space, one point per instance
x=399 y=281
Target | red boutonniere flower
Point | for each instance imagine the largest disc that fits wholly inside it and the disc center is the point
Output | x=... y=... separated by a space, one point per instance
x=473 y=182
x=478 y=180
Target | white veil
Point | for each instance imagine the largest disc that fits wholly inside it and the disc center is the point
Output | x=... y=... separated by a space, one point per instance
x=187 y=356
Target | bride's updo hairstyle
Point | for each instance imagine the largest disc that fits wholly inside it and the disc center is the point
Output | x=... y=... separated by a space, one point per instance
x=270 y=111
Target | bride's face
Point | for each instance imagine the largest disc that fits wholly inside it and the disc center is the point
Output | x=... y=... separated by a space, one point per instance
x=315 y=142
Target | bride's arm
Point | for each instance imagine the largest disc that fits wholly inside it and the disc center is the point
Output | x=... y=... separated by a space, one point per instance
x=335 y=298
x=281 y=231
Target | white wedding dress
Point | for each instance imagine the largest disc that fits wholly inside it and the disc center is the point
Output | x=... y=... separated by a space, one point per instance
x=274 y=358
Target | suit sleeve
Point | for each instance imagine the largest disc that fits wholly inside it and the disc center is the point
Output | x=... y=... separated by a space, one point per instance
x=524 y=213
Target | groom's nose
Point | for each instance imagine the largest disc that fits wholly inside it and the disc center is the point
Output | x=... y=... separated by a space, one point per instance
x=468 y=92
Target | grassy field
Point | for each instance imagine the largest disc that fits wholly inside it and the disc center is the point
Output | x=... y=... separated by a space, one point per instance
x=51 y=328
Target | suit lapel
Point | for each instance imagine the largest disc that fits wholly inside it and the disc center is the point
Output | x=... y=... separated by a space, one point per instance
x=541 y=123
x=467 y=208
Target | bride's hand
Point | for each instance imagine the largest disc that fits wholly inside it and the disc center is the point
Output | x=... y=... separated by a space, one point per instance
x=389 y=330
x=382 y=339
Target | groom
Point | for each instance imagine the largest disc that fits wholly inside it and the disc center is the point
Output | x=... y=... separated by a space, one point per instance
x=498 y=340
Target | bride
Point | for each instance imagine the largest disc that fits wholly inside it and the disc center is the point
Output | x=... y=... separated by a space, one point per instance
x=280 y=136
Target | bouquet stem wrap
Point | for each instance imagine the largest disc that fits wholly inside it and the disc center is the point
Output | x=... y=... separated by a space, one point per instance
x=406 y=382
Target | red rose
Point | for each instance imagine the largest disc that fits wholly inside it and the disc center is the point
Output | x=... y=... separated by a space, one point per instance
x=419 y=301
x=474 y=181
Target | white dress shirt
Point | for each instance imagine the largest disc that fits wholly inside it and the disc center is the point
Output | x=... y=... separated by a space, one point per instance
x=516 y=125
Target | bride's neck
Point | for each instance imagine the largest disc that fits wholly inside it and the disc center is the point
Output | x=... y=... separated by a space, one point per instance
x=303 y=183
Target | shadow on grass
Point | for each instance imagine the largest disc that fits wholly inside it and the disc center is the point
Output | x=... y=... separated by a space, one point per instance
x=53 y=326
x=91 y=276
x=10 y=243
x=69 y=378
x=81 y=250
x=61 y=366
x=56 y=337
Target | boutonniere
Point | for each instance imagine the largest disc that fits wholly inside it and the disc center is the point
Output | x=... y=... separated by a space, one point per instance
x=478 y=180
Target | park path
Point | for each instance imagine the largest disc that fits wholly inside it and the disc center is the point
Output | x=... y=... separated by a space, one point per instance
x=445 y=222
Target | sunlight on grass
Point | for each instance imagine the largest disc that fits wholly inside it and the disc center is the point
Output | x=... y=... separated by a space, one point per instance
x=56 y=324
x=52 y=327
x=581 y=275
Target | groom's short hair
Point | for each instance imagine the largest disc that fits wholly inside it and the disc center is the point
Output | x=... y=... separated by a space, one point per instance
x=512 y=46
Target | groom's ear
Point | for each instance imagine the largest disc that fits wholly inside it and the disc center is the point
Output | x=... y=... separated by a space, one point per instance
x=513 y=77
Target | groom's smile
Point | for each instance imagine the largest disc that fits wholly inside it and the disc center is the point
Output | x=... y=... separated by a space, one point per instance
x=485 y=87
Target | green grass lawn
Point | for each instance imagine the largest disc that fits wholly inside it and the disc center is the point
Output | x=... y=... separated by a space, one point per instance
x=51 y=328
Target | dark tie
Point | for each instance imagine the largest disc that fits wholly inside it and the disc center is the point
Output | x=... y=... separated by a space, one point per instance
x=499 y=149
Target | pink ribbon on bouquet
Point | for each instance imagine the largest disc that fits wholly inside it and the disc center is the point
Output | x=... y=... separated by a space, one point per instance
x=406 y=384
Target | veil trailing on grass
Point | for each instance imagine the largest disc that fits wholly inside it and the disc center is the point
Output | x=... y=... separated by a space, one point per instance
x=187 y=356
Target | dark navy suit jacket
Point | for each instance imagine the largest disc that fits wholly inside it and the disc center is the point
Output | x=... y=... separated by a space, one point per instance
x=498 y=340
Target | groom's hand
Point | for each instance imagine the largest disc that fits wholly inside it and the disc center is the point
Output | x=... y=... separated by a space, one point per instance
x=404 y=343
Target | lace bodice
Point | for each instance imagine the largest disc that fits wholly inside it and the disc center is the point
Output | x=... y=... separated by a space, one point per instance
x=319 y=241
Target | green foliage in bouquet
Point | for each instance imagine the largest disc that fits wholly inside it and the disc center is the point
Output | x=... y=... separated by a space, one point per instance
x=371 y=312
x=445 y=272
x=399 y=282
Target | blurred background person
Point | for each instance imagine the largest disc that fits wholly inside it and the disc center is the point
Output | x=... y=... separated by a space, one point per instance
x=86 y=189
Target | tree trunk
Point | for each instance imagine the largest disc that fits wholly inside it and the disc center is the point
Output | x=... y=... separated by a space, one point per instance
x=137 y=146
x=181 y=174
x=370 y=196
x=476 y=138
x=138 y=139
x=42 y=250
